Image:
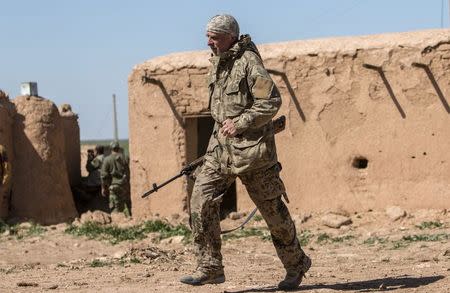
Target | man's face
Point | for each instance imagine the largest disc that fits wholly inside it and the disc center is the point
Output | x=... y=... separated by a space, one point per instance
x=219 y=42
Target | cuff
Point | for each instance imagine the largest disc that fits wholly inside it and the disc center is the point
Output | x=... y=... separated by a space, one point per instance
x=240 y=124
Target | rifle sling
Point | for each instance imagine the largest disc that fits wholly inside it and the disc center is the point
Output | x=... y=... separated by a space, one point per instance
x=241 y=226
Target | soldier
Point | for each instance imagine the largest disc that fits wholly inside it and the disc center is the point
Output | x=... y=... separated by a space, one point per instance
x=94 y=165
x=243 y=101
x=5 y=181
x=115 y=174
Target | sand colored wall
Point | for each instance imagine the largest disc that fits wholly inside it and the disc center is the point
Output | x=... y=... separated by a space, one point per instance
x=72 y=147
x=6 y=140
x=41 y=188
x=383 y=98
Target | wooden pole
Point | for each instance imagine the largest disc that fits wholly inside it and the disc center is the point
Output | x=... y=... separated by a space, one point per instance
x=116 y=131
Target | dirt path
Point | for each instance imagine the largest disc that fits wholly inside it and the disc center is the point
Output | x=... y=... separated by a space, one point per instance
x=372 y=254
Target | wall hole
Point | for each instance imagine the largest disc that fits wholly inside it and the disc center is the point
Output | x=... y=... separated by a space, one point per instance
x=360 y=163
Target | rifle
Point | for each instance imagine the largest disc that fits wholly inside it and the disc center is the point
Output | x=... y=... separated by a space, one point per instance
x=187 y=170
x=279 y=125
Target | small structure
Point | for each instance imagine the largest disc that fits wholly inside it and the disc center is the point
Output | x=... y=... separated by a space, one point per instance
x=29 y=89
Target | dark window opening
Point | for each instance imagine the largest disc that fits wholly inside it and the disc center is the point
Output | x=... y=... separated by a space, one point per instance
x=198 y=131
x=360 y=163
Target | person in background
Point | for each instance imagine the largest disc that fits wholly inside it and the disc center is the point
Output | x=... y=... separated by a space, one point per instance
x=93 y=166
x=115 y=174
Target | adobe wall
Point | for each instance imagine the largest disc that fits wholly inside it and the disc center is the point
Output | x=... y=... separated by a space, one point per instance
x=72 y=146
x=41 y=188
x=6 y=140
x=380 y=98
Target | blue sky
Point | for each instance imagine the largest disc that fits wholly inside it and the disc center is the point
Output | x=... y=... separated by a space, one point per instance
x=81 y=52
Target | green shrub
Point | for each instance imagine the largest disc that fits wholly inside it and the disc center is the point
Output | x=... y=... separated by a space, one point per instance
x=304 y=237
x=115 y=234
x=375 y=239
x=429 y=225
x=324 y=238
x=96 y=263
x=264 y=234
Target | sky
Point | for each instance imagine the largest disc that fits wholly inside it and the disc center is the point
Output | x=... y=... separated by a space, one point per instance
x=82 y=52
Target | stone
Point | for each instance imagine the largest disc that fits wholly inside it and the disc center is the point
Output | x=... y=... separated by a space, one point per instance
x=341 y=211
x=76 y=222
x=95 y=217
x=236 y=215
x=25 y=225
x=395 y=213
x=27 y=284
x=119 y=254
x=302 y=218
x=335 y=221
x=175 y=216
x=119 y=219
x=173 y=240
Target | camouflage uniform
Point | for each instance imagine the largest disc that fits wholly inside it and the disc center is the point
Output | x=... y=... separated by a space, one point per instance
x=115 y=174
x=93 y=167
x=241 y=89
x=5 y=180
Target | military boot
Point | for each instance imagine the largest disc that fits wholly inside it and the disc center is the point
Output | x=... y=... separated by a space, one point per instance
x=201 y=278
x=294 y=277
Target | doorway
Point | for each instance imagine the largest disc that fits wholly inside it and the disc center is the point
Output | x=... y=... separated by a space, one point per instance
x=198 y=130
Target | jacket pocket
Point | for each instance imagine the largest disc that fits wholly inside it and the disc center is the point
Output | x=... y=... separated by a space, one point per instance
x=247 y=151
x=213 y=144
x=235 y=97
x=253 y=150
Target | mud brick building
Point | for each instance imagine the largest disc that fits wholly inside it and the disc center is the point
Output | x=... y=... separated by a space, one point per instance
x=368 y=123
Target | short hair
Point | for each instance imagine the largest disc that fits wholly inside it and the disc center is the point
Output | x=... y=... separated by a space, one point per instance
x=100 y=149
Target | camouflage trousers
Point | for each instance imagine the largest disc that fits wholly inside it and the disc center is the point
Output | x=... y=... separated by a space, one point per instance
x=119 y=199
x=265 y=189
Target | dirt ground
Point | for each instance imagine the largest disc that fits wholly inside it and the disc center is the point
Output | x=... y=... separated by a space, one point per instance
x=374 y=253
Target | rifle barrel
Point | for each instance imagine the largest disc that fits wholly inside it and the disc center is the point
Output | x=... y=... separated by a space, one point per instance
x=156 y=187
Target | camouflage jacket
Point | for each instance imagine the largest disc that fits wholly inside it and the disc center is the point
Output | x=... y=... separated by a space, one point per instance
x=240 y=88
x=94 y=168
x=115 y=170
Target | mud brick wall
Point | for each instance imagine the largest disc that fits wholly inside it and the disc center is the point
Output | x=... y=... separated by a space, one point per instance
x=72 y=146
x=367 y=122
x=6 y=140
x=41 y=189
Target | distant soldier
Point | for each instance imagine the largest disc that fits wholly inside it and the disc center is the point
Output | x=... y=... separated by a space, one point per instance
x=115 y=174
x=94 y=165
x=5 y=180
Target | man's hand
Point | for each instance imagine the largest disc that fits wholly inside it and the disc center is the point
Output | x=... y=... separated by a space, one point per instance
x=228 y=129
x=90 y=155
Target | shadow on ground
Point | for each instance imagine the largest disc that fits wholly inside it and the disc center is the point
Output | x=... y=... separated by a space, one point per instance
x=385 y=284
